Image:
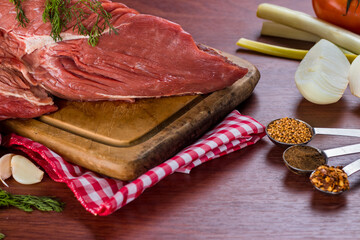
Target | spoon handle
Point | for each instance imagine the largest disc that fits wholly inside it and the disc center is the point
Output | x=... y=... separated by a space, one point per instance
x=355 y=148
x=352 y=167
x=338 y=131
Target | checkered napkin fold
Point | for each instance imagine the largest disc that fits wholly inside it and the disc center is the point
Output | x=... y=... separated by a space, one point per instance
x=101 y=195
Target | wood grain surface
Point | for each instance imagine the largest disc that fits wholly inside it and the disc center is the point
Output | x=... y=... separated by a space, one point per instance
x=248 y=194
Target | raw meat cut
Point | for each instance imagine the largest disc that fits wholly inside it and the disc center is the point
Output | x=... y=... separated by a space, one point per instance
x=149 y=57
x=18 y=98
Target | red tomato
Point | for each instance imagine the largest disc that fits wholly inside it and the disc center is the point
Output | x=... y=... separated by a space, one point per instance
x=334 y=11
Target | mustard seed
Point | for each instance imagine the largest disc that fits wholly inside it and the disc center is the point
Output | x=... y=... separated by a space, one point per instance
x=289 y=130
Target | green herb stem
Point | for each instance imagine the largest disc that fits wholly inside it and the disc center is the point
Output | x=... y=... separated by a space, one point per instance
x=60 y=12
x=348 y=5
x=20 y=14
x=57 y=13
x=28 y=203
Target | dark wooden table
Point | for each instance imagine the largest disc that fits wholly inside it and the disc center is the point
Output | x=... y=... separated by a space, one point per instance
x=248 y=194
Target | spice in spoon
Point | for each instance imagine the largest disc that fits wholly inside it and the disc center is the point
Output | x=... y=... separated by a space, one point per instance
x=289 y=130
x=330 y=179
x=304 y=157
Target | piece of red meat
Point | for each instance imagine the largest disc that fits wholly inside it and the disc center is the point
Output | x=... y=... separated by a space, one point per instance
x=18 y=107
x=149 y=57
x=18 y=98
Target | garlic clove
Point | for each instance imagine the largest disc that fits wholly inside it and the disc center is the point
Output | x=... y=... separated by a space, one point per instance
x=5 y=168
x=354 y=77
x=322 y=75
x=24 y=171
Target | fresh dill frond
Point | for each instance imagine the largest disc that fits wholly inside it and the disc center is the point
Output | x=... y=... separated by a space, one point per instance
x=20 y=14
x=57 y=13
x=60 y=12
x=97 y=29
x=28 y=203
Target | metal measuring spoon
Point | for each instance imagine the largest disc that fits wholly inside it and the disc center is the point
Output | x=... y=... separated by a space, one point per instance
x=348 y=169
x=333 y=152
x=314 y=131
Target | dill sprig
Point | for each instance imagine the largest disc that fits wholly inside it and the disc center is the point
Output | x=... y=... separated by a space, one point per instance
x=60 y=12
x=97 y=29
x=28 y=203
x=57 y=13
x=20 y=15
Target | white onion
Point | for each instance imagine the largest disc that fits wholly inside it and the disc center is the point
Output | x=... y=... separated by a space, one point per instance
x=322 y=75
x=354 y=77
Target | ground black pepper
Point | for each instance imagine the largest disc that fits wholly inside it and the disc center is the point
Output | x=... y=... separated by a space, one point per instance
x=304 y=157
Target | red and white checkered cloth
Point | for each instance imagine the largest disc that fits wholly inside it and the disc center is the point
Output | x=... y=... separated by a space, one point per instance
x=101 y=195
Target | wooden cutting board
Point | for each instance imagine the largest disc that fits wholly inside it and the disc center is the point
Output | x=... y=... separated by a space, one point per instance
x=124 y=140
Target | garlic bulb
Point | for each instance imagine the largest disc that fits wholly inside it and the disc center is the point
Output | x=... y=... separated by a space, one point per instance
x=322 y=75
x=354 y=77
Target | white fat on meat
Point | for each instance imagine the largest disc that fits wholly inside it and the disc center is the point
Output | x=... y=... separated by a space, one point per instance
x=37 y=42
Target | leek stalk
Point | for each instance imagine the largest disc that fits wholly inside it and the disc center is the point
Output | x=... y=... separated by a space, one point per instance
x=307 y=23
x=274 y=29
x=278 y=51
